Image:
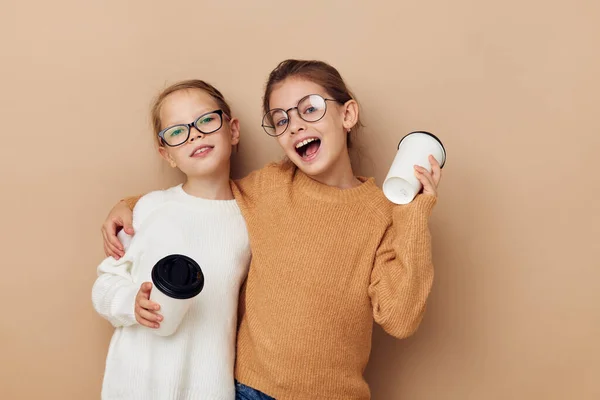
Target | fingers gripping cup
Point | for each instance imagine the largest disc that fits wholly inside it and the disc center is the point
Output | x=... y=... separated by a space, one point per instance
x=401 y=185
x=176 y=280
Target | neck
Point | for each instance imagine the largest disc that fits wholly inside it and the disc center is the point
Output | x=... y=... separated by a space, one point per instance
x=340 y=174
x=212 y=187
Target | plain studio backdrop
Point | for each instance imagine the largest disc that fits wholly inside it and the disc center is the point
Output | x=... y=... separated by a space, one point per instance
x=511 y=87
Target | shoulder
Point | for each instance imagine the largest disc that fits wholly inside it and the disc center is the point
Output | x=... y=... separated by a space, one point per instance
x=380 y=207
x=150 y=202
x=269 y=172
x=264 y=180
x=279 y=172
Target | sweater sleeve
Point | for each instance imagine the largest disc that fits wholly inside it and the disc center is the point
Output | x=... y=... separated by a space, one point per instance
x=247 y=189
x=132 y=201
x=114 y=291
x=402 y=274
x=250 y=189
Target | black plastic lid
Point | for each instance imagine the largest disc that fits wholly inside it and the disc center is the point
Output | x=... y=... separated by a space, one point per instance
x=433 y=136
x=178 y=276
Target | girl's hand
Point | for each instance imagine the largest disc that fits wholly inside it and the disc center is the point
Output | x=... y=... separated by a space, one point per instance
x=429 y=180
x=145 y=310
x=119 y=217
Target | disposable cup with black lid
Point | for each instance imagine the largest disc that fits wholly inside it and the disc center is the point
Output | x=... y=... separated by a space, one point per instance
x=401 y=185
x=177 y=280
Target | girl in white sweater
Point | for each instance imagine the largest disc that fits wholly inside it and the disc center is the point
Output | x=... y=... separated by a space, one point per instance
x=199 y=219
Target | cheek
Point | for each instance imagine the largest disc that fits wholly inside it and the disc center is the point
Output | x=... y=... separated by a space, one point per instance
x=282 y=141
x=337 y=121
x=224 y=138
x=224 y=143
x=179 y=155
x=332 y=127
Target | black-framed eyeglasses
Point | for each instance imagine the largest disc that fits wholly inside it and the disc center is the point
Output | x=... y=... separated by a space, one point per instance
x=207 y=123
x=310 y=108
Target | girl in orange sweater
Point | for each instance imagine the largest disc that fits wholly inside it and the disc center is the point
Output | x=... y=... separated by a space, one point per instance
x=329 y=252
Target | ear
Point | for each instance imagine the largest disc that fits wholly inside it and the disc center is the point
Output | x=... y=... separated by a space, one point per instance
x=165 y=154
x=234 y=126
x=350 y=114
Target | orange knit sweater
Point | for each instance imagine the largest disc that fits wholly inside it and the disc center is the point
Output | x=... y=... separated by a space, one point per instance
x=325 y=263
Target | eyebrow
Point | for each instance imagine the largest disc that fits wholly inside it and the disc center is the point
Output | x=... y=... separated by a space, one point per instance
x=323 y=95
x=195 y=118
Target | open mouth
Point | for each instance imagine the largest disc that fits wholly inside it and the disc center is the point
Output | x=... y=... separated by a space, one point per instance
x=308 y=148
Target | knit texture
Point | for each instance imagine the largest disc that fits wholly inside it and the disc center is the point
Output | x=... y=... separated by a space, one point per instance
x=325 y=263
x=197 y=361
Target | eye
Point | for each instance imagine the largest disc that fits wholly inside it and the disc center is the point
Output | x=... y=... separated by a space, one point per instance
x=310 y=110
x=176 y=132
x=282 y=122
x=206 y=120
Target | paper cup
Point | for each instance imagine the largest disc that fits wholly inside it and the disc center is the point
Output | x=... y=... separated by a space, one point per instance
x=401 y=185
x=177 y=280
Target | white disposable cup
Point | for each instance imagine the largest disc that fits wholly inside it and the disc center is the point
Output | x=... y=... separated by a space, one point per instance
x=401 y=185
x=172 y=310
x=176 y=281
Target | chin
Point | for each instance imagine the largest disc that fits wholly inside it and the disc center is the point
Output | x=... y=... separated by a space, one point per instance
x=316 y=168
x=207 y=169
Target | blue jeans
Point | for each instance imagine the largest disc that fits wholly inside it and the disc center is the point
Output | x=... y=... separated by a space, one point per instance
x=243 y=392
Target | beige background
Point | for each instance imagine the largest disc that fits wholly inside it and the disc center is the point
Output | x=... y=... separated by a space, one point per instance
x=510 y=86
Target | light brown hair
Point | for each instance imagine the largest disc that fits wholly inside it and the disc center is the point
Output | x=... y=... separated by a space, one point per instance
x=315 y=71
x=185 y=85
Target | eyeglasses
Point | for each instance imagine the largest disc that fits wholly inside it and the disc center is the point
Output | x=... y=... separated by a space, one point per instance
x=177 y=135
x=310 y=108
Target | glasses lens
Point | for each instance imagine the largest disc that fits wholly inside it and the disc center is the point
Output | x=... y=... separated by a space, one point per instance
x=275 y=122
x=209 y=123
x=176 y=135
x=312 y=108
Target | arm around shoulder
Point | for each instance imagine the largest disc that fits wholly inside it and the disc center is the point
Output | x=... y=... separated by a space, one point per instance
x=248 y=189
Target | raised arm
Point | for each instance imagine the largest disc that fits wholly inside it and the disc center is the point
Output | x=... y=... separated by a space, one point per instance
x=402 y=275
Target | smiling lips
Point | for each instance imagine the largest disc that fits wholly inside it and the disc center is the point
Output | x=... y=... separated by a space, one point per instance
x=202 y=151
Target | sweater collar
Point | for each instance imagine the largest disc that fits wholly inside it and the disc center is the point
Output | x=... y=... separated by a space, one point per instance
x=320 y=191
x=227 y=206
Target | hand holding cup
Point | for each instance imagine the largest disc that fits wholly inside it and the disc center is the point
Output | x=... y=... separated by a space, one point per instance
x=146 y=310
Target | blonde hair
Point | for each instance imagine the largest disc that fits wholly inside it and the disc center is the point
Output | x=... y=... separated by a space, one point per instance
x=185 y=85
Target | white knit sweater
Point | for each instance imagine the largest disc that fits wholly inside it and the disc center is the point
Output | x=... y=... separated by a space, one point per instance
x=197 y=361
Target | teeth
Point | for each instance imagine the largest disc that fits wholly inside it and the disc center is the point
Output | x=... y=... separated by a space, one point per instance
x=202 y=150
x=305 y=142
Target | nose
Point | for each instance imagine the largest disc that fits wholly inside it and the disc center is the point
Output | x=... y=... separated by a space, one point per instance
x=195 y=133
x=297 y=124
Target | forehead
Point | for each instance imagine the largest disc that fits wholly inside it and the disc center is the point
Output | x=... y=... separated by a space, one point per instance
x=287 y=93
x=184 y=105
